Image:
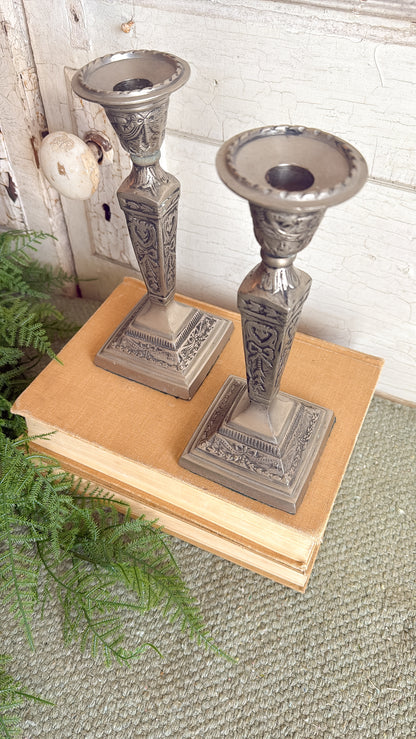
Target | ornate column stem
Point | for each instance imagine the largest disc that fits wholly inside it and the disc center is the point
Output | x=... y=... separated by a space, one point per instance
x=149 y=198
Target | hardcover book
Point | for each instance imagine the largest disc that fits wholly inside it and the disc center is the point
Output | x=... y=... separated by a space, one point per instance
x=128 y=438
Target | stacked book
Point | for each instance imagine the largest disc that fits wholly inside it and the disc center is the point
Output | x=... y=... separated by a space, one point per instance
x=128 y=438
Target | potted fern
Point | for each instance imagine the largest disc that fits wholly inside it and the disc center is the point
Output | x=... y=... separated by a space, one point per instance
x=60 y=538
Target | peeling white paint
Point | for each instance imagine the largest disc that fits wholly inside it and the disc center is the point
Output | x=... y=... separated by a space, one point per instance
x=11 y=210
x=22 y=121
x=78 y=35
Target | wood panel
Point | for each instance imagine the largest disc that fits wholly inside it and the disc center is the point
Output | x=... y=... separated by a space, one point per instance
x=253 y=63
x=27 y=199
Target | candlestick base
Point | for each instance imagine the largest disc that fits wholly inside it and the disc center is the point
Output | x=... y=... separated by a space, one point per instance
x=167 y=347
x=274 y=470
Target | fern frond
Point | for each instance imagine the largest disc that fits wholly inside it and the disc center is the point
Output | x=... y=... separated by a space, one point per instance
x=75 y=535
x=88 y=549
x=41 y=494
x=12 y=697
x=9 y=355
x=24 y=329
x=91 y=612
x=19 y=581
x=10 y=700
x=28 y=319
x=31 y=509
x=19 y=570
x=12 y=283
x=21 y=273
x=10 y=425
x=136 y=552
x=14 y=245
x=45 y=278
x=103 y=638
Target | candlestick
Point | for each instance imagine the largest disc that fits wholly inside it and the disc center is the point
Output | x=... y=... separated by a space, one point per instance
x=162 y=343
x=255 y=438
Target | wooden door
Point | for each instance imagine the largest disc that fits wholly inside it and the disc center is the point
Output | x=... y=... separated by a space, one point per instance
x=343 y=67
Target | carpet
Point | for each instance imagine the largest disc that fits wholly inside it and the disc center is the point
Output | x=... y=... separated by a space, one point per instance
x=337 y=661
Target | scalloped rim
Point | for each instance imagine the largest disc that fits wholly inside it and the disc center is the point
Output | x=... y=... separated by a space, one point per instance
x=121 y=98
x=272 y=198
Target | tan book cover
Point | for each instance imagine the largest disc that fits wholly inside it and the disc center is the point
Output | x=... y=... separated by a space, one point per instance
x=136 y=435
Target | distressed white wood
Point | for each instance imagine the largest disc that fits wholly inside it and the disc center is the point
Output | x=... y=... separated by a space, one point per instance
x=263 y=62
x=400 y=11
x=78 y=38
x=344 y=67
x=22 y=121
x=11 y=207
x=382 y=8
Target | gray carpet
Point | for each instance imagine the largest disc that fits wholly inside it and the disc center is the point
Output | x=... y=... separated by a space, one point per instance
x=337 y=661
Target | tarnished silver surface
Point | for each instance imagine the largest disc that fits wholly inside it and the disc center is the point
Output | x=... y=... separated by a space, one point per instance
x=164 y=344
x=254 y=438
x=273 y=471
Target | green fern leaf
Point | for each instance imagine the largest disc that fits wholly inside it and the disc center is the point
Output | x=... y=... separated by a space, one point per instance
x=9 y=355
x=99 y=563
x=19 y=572
x=12 y=697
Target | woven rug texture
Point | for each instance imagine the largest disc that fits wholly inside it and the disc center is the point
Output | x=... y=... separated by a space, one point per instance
x=337 y=661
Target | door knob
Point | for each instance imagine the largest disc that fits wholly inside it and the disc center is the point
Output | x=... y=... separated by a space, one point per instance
x=71 y=164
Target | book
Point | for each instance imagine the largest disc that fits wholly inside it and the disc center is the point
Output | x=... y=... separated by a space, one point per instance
x=128 y=438
x=174 y=522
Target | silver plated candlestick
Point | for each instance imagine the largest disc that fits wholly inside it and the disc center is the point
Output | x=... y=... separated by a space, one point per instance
x=162 y=343
x=254 y=438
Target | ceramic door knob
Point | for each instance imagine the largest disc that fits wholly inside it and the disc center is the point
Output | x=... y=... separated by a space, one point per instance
x=70 y=165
